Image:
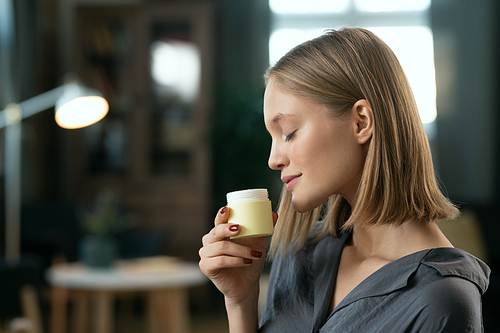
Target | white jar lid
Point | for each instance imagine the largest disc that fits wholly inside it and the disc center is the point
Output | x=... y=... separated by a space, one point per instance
x=259 y=194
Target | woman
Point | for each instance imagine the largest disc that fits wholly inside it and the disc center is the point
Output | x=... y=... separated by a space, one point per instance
x=348 y=140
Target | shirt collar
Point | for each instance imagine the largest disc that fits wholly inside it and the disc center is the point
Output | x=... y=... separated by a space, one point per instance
x=379 y=283
x=447 y=261
x=457 y=262
x=324 y=265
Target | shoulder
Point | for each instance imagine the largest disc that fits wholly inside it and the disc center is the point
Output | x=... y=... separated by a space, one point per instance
x=451 y=295
x=450 y=286
x=452 y=262
x=450 y=304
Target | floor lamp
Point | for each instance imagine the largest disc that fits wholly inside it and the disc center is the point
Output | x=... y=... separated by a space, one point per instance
x=76 y=106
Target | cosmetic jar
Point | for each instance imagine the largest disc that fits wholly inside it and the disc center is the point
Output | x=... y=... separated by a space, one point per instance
x=252 y=211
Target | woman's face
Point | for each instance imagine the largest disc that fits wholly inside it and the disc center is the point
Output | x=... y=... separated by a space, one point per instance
x=318 y=154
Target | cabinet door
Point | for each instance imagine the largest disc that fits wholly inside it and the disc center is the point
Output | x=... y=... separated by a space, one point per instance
x=153 y=63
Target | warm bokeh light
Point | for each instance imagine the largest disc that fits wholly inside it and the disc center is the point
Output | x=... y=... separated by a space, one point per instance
x=81 y=112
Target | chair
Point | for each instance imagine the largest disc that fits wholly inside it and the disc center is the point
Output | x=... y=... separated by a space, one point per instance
x=20 y=283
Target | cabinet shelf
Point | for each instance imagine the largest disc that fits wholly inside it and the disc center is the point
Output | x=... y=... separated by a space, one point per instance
x=153 y=62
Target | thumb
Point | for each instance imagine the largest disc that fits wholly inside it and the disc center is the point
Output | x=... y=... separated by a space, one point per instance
x=275 y=218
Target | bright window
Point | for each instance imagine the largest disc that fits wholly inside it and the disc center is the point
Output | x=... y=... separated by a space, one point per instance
x=376 y=6
x=306 y=7
x=402 y=24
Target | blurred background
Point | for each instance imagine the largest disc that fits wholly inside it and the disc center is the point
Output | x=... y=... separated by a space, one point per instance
x=183 y=80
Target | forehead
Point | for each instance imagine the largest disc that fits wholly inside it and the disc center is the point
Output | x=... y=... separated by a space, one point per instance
x=278 y=104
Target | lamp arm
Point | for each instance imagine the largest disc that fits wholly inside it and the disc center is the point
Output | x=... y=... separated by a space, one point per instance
x=35 y=104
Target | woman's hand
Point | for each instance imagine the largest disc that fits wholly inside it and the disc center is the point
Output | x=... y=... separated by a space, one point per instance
x=234 y=266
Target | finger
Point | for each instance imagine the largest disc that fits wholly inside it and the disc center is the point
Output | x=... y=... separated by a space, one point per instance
x=222 y=216
x=275 y=218
x=220 y=232
x=211 y=266
x=228 y=248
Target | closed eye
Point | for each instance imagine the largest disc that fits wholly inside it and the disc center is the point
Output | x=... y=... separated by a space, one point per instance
x=289 y=136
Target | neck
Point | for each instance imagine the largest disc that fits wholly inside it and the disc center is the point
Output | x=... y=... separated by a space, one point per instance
x=390 y=242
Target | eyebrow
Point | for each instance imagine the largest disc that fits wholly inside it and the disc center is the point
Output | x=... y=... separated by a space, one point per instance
x=280 y=116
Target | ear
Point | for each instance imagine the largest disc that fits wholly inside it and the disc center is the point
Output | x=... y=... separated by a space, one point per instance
x=363 y=116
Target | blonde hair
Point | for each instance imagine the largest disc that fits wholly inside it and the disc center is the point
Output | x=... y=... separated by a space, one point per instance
x=398 y=183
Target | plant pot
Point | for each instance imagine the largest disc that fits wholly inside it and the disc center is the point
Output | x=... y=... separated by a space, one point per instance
x=98 y=251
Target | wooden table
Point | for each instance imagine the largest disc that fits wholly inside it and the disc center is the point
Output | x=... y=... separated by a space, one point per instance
x=162 y=280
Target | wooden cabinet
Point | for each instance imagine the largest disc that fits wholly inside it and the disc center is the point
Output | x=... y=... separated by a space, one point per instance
x=154 y=64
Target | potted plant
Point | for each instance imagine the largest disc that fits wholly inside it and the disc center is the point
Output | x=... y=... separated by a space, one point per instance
x=99 y=248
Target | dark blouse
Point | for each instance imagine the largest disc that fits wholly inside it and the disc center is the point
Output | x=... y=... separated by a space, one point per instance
x=435 y=290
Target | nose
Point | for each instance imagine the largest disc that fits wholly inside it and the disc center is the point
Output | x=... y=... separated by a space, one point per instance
x=277 y=158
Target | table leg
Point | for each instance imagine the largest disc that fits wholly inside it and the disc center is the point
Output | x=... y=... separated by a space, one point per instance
x=31 y=308
x=173 y=310
x=80 y=311
x=105 y=313
x=59 y=309
x=152 y=313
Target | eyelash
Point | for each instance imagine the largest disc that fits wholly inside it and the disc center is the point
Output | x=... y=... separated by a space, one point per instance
x=289 y=136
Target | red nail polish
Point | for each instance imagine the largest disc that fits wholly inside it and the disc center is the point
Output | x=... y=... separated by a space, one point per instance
x=247 y=261
x=233 y=228
x=223 y=210
x=256 y=254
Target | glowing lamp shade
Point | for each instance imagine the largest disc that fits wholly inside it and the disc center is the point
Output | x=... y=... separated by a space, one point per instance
x=80 y=106
x=81 y=112
x=76 y=106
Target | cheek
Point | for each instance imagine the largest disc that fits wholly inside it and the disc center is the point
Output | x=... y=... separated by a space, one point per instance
x=342 y=156
x=305 y=151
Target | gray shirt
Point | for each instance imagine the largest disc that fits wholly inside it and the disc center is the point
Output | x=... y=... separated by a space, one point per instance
x=435 y=290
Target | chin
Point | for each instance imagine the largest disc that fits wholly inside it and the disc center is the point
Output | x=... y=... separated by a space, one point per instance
x=303 y=207
x=299 y=210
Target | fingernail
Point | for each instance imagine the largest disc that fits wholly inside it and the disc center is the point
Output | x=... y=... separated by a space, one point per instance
x=247 y=261
x=256 y=254
x=223 y=210
x=233 y=228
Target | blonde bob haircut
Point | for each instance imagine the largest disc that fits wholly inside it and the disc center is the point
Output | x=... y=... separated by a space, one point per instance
x=398 y=183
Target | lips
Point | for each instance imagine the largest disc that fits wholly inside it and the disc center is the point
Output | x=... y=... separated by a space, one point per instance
x=290 y=180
